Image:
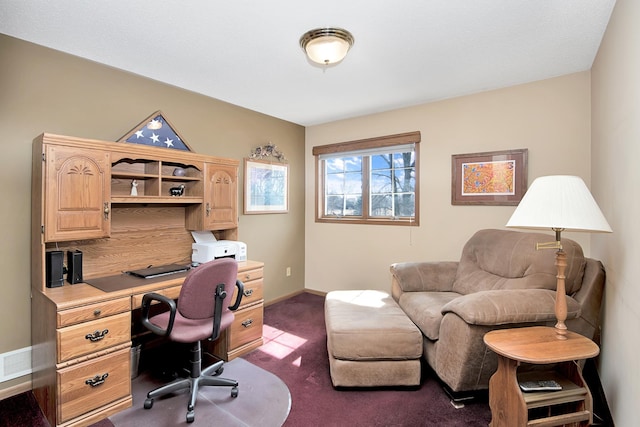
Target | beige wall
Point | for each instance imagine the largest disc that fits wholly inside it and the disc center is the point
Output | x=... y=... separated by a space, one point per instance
x=615 y=180
x=44 y=90
x=551 y=118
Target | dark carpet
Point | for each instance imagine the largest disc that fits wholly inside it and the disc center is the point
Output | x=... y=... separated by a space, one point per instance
x=295 y=350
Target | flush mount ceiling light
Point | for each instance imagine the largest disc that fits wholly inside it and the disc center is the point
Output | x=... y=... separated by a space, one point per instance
x=326 y=46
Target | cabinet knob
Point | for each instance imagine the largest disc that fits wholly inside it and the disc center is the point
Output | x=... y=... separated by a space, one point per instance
x=106 y=210
x=208 y=209
x=97 y=312
x=248 y=292
x=247 y=323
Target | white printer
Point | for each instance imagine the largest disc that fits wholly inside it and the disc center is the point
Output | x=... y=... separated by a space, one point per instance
x=207 y=248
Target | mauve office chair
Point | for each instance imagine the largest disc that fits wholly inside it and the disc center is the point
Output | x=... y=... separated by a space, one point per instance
x=201 y=313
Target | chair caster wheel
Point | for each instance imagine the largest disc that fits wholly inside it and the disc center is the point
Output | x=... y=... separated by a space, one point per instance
x=148 y=403
x=191 y=416
x=234 y=392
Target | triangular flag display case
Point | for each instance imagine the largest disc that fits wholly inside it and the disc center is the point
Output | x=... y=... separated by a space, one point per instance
x=156 y=131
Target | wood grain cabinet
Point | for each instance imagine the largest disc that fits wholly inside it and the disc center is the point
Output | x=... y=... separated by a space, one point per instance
x=245 y=333
x=81 y=357
x=219 y=209
x=76 y=194
x=117 y=204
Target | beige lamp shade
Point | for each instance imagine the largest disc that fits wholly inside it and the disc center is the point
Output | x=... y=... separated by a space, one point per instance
x=326 y=46
x=559 y=202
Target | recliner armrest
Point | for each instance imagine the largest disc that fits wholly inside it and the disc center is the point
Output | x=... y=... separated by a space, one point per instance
x=424 y=276
x=509 y=306
x=147 y=301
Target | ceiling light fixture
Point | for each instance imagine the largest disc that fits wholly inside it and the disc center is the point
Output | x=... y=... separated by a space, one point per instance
x=326 y=46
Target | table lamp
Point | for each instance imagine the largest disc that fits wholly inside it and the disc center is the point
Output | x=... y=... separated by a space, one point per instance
x=559 y=203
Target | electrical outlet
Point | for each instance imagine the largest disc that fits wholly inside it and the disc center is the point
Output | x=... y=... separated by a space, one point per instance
x=288 y=271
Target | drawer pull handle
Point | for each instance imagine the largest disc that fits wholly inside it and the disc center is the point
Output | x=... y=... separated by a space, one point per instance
x=248 y=292
x=97 y=335
x=97 y=380
x=97 y=312
x=247 y=323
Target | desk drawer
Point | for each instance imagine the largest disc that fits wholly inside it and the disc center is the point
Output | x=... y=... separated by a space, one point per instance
x=93 y=311
x=173 y=293
x=252 y=293
x=89 y=337
x=248 y=275
x=246 y=327
x=92 y=384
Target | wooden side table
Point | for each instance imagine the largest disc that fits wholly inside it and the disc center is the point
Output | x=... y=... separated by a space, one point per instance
x=538 y=345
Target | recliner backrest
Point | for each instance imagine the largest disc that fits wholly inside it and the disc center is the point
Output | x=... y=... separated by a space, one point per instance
x=505 y=259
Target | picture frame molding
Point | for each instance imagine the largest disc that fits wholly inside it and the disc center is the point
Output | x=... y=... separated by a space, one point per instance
x=254 y=167
x=520 y=159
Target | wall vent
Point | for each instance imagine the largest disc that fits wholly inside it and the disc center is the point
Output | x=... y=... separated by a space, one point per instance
x=14 y=364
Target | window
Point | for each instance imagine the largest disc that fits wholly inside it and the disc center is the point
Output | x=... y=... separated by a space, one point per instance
x=372 y=181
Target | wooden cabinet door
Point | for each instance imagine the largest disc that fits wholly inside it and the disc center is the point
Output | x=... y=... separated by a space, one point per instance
x=220 y=197
x=77 y=193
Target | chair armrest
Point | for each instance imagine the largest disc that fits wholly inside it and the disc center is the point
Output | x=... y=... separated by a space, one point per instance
x=424 y=276
x=239 y=295
x=508 y=306
x=147 y=301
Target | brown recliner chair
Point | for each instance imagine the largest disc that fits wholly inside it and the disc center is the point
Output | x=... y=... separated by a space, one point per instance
x=501 y=281
x=200 y=314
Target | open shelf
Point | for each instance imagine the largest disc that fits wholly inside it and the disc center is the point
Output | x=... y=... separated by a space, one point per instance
x=155 y=179
x=156 y=199
x=553 y=408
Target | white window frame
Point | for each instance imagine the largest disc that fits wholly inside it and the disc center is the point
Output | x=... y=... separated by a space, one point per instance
x=366 y=147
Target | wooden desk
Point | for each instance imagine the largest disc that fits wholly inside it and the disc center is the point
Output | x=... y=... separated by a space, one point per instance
x=82 y=340
x=539 y=346
x=81 y=199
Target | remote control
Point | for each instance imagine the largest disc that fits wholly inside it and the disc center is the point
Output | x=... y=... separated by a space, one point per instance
x=542 y=385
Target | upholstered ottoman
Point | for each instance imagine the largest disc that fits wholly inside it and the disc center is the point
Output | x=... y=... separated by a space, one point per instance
x=371 y=342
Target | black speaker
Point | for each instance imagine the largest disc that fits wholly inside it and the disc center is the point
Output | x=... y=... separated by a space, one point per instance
x=74 y=267
x=54 y=261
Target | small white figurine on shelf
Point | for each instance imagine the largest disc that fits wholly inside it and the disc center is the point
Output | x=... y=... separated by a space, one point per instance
x=134 y=188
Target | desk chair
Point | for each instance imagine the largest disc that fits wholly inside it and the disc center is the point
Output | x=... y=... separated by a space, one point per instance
x=198 y=315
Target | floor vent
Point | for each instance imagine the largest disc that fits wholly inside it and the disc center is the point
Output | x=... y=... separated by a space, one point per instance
x=14 y=364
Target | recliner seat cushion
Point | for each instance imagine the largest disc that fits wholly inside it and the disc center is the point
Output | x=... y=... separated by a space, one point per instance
x=425 y=310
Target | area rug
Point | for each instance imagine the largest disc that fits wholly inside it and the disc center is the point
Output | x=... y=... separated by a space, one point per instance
x=263 y=400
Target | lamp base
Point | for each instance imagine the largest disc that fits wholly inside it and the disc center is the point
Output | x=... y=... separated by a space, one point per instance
x=561 y=331
x=561 y=297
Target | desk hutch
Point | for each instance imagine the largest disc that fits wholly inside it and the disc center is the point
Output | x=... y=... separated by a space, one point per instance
x=81 y=200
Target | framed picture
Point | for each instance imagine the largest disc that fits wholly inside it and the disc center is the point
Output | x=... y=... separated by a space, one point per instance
x=266 y=187
x=491 y=178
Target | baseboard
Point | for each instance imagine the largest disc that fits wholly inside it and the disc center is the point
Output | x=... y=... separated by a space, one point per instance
x=293 y=294
x=15 y=389
x=314 y=292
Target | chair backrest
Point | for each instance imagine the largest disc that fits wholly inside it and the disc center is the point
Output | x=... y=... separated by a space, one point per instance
x=197 y=297
x=506 y=259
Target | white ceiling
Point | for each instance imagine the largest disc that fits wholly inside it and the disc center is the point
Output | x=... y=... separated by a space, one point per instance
x=406 y=52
